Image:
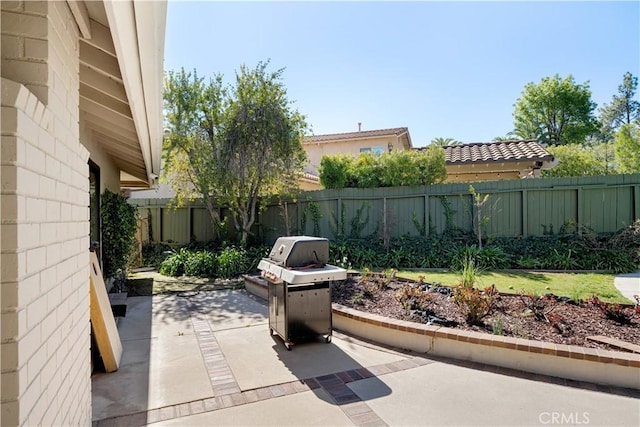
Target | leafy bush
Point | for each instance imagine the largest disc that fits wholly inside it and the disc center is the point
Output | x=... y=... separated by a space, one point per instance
x=201 y=264
x=334 y=170
x=232 y=262
x=174 y=264
x=487 y=258
x=226 y=263
x=397 y=168
x=588 y=251
x=475 y=304
x=154 y=253
x=119 y=223
x=616 y=312
x=413 y=297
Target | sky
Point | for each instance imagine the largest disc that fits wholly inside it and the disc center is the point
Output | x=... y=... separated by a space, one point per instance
x=442 y=69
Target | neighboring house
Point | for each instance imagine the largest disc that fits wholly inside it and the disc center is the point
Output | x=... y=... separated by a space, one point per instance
x=374 y=141
x=464 y=162
x=495 y=161
x=81 y=112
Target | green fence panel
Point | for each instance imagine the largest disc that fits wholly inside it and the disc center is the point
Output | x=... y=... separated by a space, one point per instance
x=514 y=208
x=550 y=209
x=175 y=225
x=606 y=210
x=201 y=225
x=503 y=213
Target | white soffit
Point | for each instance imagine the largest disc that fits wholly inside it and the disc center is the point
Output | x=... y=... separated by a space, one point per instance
x=138 y=30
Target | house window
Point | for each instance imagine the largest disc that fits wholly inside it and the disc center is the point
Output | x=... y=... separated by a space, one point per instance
x=378 y=151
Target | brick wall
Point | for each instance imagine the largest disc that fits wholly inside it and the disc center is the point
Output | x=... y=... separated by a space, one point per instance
x=45 y=334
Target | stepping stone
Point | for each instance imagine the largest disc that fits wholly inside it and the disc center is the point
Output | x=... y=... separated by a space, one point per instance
x=616 y=343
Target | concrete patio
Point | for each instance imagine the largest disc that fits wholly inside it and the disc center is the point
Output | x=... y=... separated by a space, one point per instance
x=206 y=358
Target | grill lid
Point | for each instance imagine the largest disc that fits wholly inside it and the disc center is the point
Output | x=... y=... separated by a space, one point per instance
x=300 y=251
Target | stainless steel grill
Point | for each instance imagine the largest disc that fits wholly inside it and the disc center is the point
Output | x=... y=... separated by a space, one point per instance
x=299 y=288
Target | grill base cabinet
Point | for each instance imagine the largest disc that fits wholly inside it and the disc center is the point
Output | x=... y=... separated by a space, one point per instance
x=300 y=312
x=299 y=281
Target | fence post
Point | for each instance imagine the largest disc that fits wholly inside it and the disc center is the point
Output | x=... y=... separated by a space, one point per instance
x=426 y=215
x=525 y=213
x=579 y=200
x=636 y=197
x=339 y=216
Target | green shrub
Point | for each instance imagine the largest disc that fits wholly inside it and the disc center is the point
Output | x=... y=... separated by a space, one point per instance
x=334 y=170
x=587 y=251
x=232 y=262
x=475 y=304
x=119 y=224
x=154 y=253
x=201 y=264
x=174 y=265
x=487 y=258
x=397 y=168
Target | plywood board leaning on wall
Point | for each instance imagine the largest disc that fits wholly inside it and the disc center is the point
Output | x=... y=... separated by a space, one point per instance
x=102 y=320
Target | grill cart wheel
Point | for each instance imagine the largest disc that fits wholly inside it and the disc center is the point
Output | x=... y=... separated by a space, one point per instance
x=327 y=339
x=271 y=332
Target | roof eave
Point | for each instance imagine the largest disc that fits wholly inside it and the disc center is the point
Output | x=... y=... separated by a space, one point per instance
x=138 y=30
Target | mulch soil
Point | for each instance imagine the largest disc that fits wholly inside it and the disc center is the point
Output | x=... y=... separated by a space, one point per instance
x=559 y=321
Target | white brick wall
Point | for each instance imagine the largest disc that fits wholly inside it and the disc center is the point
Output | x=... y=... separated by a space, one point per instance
x=45 y=335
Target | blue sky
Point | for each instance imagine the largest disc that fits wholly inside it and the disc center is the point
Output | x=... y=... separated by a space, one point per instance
x=451 y=69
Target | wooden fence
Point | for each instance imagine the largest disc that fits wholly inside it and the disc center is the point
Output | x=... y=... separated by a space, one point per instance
x=514 y=208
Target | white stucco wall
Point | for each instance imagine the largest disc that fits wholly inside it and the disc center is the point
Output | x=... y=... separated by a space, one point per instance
x=45 y=337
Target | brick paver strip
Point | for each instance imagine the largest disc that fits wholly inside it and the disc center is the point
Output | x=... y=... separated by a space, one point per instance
x=222 y=380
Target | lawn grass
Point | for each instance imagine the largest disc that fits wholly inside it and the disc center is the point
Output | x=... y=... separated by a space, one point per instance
x=574 y=285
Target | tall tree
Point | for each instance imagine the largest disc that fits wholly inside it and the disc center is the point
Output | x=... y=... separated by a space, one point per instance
x=624 y=109
x=193 y=122
x=627 y=148
x=574 y=160
x=262 y=149
x=231 y=145
x=443 y=142
x=555 y=111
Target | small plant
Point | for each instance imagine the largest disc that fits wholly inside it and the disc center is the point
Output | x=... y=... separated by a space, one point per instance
x=358 y=223
x=561 y=261
x=537 y=305
x=475 y=304
x=528 y=262
x=311 y=208
x=232 y=262
x=469 y=273
x=412 y=297
x=389 y=276
x=616 y=312
x=497 y=327
x=174 y=265
x=560 y=324
x=478 y=220
x=358 y=298
x=420 y=227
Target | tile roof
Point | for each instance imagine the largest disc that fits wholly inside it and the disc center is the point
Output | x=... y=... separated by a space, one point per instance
x=356 y=135
x=500 y=151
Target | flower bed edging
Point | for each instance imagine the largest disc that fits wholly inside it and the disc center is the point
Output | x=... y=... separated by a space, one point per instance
x=565 y=361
